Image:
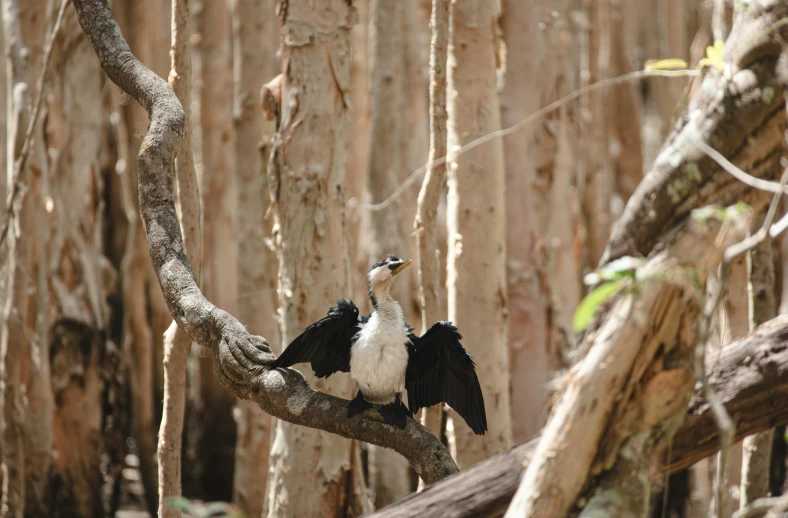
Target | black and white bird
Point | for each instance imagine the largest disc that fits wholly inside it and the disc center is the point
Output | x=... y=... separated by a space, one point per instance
x=385 y=358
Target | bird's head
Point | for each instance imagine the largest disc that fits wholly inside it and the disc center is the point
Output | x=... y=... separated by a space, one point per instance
x=382 y=274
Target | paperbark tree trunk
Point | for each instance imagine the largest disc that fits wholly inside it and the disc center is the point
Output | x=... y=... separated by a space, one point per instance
x=358 y=156
x=528 y=304
x=389 y=133
x=26 y=406
x=310 y=470
x=212 y=428
x=255 y=42
x=477 y=222
x=426 y=222
x=79 y=274
x=139 y=340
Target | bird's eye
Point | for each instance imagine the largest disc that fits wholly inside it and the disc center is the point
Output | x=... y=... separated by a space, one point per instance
x=393 y=266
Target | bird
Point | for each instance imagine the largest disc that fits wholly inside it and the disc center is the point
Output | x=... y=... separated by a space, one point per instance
x=386 y=358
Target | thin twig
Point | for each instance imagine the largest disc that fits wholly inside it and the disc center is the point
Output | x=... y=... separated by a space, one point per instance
x=721 y=417
x=734 y=251
x=425 y=224
x=632 y=76
x=15 y=187
x=727 y=165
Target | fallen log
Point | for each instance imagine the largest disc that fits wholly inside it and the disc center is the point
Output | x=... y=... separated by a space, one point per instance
x=750 y=375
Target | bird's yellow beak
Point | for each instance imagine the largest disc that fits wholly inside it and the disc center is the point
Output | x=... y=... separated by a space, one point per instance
x=401 y=267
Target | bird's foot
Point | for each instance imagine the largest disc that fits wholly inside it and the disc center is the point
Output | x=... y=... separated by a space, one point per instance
x=357 y=405
x=404 y=408
x=395 y=414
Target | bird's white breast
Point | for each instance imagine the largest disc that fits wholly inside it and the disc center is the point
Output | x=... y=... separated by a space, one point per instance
x=379 y=356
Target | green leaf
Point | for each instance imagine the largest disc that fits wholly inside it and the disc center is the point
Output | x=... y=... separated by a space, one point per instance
x=614 y=270
x=703 y=214
x=714 y=57
x=734 y=211
x=588 y=306
x=666 y=64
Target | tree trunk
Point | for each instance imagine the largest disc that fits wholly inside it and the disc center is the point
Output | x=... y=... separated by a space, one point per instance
x=139 y=342
x=310 y=469
x=26 y=406
x=212 y=428
x=415 y=139
x=389 y=134
x=356 y=191
x=255 y=42
x=477 y=222
x=80 y=275
x=528 y=305
x=426 y=222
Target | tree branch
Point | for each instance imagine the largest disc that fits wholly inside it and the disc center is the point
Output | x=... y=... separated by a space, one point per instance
x=750 y=376
x=240 y=359
x=624 y=399
x=750 y=92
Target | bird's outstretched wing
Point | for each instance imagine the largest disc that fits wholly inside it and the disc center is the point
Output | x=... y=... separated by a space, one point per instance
x=441 y=370
x=326 y=343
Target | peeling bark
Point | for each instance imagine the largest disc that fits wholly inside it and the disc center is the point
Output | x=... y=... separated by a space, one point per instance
x=307 y=177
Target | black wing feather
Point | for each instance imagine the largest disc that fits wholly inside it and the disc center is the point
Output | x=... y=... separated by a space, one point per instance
x=441 y=370
x=326 y=343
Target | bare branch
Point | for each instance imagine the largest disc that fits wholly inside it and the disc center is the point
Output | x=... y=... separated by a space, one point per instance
x=537 y=115
x=240 y=359
x=752 y=181
x=683 y=177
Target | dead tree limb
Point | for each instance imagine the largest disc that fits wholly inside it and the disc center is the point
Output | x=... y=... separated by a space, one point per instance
x=750 y=375
x=750 y=92
x=240 y=359
x=625 y=397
